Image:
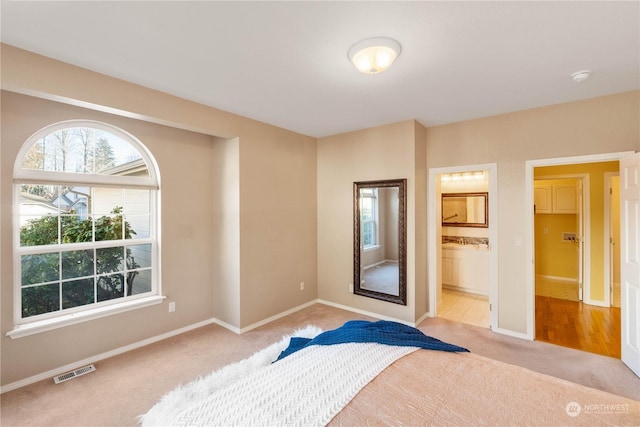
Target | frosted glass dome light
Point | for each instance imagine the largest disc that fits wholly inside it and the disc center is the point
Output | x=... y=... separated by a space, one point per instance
x=375 y=55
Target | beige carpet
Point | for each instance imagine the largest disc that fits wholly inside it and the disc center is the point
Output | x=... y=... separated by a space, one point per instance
x=382 y=278
x=127 y=385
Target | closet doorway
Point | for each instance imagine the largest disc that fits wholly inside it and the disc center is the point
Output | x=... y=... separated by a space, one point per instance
x=573 y=266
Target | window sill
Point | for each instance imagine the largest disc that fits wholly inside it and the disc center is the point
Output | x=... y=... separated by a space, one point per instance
x=37 y=327
x=371 y=248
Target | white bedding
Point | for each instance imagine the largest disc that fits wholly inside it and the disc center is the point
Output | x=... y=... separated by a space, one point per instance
x=181 y=398
x=308 y=387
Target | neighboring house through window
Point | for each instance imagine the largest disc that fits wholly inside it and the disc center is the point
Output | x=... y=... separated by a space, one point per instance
x=86 y=232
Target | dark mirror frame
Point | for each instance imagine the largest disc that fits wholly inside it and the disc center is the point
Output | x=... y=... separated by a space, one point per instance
x=484 y=224
x=401 y=298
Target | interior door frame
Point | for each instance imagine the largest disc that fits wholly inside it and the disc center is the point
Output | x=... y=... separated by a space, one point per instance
x=584 y=233
x=608 y=235
x=434 y=246
x=530 y=165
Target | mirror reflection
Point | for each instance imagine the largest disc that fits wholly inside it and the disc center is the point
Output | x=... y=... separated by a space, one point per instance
x=379 y=240
x=465 y=209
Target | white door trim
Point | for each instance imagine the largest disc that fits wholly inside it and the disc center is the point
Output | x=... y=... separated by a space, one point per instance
x=608 y=223
x=584 y=273
x=529 y=234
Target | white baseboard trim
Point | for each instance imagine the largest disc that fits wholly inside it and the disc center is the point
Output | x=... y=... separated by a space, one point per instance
x=423 y=317
x=512 y=334
x=272 y=318
x=102 y=356
x=93 y=359
x=558 y=278
x=365 y=313
x=463 y=289
x=596 y=303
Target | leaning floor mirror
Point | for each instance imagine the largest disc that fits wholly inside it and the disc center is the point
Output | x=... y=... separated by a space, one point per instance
x=379 y=240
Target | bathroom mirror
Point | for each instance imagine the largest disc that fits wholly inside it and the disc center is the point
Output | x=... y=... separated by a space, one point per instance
x=379 y=240
x=465 y=210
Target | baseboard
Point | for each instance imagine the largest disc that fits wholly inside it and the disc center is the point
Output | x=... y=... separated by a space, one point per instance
x=423 y=317
x=596 y=303
x=93 y=359
x=272 y=318
x=365 y=313
x=558 y=278
x=512 y=334
x=466 y=290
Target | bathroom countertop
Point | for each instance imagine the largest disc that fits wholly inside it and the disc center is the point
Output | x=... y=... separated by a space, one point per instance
x=457 y=246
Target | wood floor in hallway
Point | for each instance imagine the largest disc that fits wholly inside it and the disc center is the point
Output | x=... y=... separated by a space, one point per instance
x=577 y=325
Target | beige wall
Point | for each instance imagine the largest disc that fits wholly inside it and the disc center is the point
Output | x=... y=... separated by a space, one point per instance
x=254 y=189
x=187 y=220
x=277 y=205
x=593 y=126
x=385 y=152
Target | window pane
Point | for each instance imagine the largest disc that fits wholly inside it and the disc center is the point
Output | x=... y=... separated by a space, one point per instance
x=110 y=287
x=36 y=231
x=105 y=200
x=109 y=260
x=137 y=201
x=77 y=264
x=40 y=299
x=139 y=256
x=85 y=150
x=73 y=200
x=76 y=229
x=38 y=211
x=77 y=292
x=366 y=210
x=109 y=227
x=367 y=234
x=137 y=211
x=139 y=282
x=40 y=268
x=137 y=227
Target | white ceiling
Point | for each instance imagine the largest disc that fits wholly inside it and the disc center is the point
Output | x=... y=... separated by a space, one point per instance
x=285 y=63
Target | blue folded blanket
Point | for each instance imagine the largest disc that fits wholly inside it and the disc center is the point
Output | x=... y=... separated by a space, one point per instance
x=382 y=331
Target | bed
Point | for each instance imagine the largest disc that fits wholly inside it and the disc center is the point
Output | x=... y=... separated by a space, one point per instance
x=382 y=373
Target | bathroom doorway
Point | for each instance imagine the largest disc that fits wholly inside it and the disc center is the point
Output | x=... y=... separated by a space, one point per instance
x=461 y=288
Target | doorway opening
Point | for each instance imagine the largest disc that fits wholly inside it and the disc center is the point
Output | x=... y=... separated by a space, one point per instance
x=573 y=268
x=461 y=256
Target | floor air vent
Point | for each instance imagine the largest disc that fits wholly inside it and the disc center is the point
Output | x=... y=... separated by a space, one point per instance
x=73 y=374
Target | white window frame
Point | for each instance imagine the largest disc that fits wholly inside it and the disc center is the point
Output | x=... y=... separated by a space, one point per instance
x=49 y=321
x=376 y=240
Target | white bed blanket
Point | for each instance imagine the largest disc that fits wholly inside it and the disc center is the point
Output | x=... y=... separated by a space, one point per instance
x=306 y=388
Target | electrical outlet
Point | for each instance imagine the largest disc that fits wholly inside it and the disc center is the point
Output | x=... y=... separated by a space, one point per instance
x=302 y=286
x=351 y=287
x=172 y=307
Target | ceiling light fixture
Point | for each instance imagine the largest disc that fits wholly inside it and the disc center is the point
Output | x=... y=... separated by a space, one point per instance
x=580 y=76
x=375 y=55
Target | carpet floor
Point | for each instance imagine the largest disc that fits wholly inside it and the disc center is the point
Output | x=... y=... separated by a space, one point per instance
x=126 y=386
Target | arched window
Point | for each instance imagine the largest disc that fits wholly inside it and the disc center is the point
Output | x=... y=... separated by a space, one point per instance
x=85 y=225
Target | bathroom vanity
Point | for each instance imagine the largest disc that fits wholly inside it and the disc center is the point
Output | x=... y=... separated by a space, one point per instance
x=465 y=267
